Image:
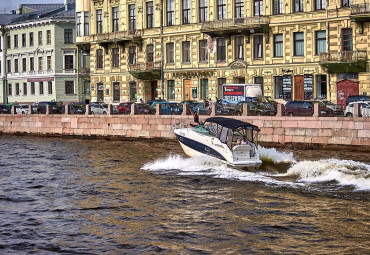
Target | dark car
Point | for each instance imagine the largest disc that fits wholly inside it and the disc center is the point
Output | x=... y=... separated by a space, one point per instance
x=77 y=108
x=168 y=108
x=5 y=109
x=153 y=102
x=190 y=103
x=304 y=108
x=54 y=107
x=357 y=98
x=255 y=108
x=143 y=109
x=337 y=109
x=200 y=109
x=268 y=99
x=124 y=108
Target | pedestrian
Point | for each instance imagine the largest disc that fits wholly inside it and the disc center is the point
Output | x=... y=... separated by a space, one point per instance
x=141 y=101
x=209 y=106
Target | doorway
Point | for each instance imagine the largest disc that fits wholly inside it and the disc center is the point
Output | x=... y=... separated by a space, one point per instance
x=154 y=89
x=299 y=87
x=187 y=90
x=346 y=88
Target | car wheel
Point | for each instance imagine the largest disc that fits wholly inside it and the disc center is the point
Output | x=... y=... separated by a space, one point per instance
x=239 y=113
x=23 y=113
x=259 y=114
x=290 y=114
x=349 y=114
x=92 y=113
x=105 y=113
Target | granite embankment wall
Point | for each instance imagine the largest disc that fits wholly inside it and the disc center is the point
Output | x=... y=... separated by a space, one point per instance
x=279 y=130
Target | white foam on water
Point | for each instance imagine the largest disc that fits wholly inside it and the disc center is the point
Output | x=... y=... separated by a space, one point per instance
x=274 y=156
x=344 y=172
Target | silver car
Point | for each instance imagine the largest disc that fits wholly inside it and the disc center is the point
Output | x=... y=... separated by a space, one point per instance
x=21 y=109
x=99 y=109
x=364 y=109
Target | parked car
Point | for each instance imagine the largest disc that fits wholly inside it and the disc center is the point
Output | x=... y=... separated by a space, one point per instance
x=255 y=108
x=97 y=108
x=304 y=108
x=77 y=108
x=143 y=109
x=268 y=99
x=337 y=109
x=220 y=109
x=190 y=103
x=364 y=109
x=124 y=108
x=357 y=98
x=5 y=109
x=21 y=109
x=54 y=107
x=153 y=102
x=200 y=109
x=168 y=108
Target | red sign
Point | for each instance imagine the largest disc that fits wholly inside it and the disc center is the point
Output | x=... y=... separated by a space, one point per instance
x=40 y=79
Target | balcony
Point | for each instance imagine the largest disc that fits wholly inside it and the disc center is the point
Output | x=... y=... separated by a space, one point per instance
x=146 y=71
x=85 y=70
x=236 y=26
x=343 y=61
x=83 y=43
x=360 y=12
x=118 y=37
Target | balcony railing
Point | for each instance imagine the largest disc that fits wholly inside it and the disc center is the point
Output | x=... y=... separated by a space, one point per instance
x=343 y=56
x=85 y=70
x=249 y=22
x=145 y=67
x=117 y=36
x=363 y=8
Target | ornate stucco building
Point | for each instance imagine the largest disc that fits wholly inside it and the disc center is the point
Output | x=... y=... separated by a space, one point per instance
x=186 y=49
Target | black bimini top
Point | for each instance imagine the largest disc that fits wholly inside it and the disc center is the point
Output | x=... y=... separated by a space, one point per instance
x=232 y=123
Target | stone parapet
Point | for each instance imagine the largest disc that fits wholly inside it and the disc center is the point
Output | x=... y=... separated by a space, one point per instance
x=279 y=130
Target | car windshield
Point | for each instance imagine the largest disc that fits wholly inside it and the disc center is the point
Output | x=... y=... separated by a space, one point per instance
x=174 y=105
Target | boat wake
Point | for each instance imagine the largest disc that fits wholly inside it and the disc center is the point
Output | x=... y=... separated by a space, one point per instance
x=297 y=174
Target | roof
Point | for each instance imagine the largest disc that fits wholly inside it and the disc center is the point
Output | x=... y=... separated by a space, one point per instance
x=7 y=18
x=232 y=123
x=41 y=7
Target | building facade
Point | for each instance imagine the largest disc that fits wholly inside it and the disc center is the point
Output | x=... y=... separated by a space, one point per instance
x=186 y=49
x=41 y=56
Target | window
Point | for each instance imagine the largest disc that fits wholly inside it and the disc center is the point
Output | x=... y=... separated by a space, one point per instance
x=186 y=12
x=320 y=42
x=321 y=86
x=115 y=19
x=171 y=90
x=186 y=52
x=347 y=3
x=9 y=66
x=48 y=36
x=203 y=88
x=99 y=21
x=221 y=49
x=278 y=45
x=17 y=89
x=278 y=6
x=48 y=63
x=24 y=65
x=347 y=39
x=132 y=55
x=99 y=58
x=116 y=91
x=78 y=24
x=40 y=38
x=221 y=9
x=258 y=7
x=203 y=10
x=15 y=41
x=203 y=51
x=16 y=70
x=133 y=91
x=298 y=44
x=239 y=47
x=220 y=82
x=41 y=88
x=278 y=86
x=8 y=41
x=170 y=12
x=239 y=9
x=115 y=57
x=170 y=53
x=150 y=53
x=32 y=64
x=149 y=15
x=86 y=23
x=320 y=4
x=258 y=46
x=23 y=40
x=68 y=62
x=69 y=87
x=132 y=17
x=10 y=92
x=32 y=88
x=31 y=38
x=68 y=36
x=298 y=5
x=25 y=89
x=50 y=88
x=259 y=80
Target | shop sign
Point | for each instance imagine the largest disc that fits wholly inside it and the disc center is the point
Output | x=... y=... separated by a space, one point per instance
x=233 y=93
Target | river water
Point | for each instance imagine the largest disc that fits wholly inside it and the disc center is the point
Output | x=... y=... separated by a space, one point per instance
x=80 y=196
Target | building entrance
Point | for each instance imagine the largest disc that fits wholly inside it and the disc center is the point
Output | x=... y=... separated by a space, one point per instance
x=299 y=87
x=187 y=90
x=346 y=88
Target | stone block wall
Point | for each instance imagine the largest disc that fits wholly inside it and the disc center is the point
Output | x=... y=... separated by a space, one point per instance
x=280 y=130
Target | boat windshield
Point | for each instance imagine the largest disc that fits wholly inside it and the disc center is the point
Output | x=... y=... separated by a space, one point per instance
x=203 y=130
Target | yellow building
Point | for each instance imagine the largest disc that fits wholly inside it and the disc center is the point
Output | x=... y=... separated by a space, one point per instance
x=186 y=49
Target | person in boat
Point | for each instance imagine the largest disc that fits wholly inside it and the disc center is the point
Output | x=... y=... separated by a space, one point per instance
x=243 y=141
x=196 y=118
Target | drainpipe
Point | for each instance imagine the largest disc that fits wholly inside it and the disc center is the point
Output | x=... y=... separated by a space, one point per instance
x=161 y=37
x=328 y=45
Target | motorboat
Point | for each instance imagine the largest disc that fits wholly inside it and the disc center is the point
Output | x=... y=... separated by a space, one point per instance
x=220 y=138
